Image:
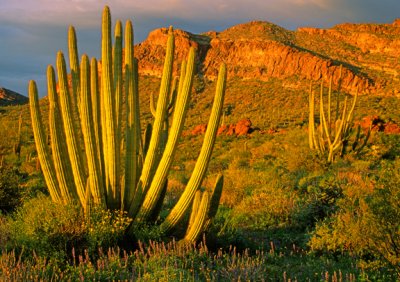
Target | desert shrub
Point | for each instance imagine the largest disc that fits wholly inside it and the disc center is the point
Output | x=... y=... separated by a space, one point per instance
x=384 y=215
x=10 y=190
x=319 y=195
x=105 y=228
x=366 y=223
x=52 y=230
x=264 y=208
x=44 y=227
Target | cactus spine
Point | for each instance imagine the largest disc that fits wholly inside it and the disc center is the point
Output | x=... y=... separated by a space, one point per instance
x=96 y=176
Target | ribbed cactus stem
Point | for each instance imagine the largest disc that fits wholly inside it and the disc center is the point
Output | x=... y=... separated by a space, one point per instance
x=162 y=103
x=326 y=127
x=96 y=113
x=41 y=145
x=61 y=161
x=164 y=166
x=117 y=61
x=215 y=198
x=311 y=119
x=329 y=101
x=196 y=228
x=133 y=130
x=94 y=168
x=118 y=81
x=107 y=88
x=200 y=168
x=195 y=208
x=146 y=138
x=182 y=75
x=74 y=67
x=70 y=130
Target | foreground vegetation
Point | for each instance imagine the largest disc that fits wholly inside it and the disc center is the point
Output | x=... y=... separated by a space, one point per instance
x=308 y=219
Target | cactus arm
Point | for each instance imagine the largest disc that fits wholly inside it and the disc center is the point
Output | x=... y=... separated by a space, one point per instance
x=353 y=105
x=74 y=67
x=94 y=168
x=131 y=159
x=95 y=100
x=182 y=75
x=338 y=137
x=164 y=166
x=41 y=147
x=151 y=157
x=341 y=124
x=70 y=130
x=197 y=226
x=323 y=119
x=107 y=87
x=61 y=161
x=200 y=168
x=172 y=100
x=311 y=119
x=329 y=101
x=215 y=199
x=146 y=138
x=138 y=130
x=195 y=208
x=133 y=130
x=117 y=72
x=157 y=209
x=117 y=61
x=153 y=110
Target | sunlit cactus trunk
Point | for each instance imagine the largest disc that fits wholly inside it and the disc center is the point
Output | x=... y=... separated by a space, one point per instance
x=91 y=111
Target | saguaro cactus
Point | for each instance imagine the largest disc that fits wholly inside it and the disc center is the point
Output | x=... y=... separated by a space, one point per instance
x=139 y=186
x=332 y=136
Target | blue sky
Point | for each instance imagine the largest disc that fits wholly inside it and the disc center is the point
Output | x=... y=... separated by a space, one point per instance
x=32 y=31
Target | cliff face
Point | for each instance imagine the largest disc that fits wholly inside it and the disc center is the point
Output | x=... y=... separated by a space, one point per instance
x=368 y=53
x=8 y=97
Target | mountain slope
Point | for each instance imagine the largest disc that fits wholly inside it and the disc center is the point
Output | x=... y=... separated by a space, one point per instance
x=8 y=98
x=263 y=51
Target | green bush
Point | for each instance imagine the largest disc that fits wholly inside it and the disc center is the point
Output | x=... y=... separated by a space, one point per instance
x=319 y=194
x=53 y=230
x=48 y=229
x=105 y=228
x=366 y=223
x=384 y=216
x=10 y=190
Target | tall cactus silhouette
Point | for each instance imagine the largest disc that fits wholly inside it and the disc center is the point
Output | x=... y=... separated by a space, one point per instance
x=85 y=127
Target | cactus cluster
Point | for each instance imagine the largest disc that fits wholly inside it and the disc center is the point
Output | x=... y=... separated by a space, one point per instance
x=85 y=163
x=335 y=131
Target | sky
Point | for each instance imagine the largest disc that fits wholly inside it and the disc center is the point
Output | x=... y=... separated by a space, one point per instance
x=32 y=31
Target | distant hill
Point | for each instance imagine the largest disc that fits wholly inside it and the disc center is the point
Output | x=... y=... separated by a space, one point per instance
x=10 y=98
x=262 y=50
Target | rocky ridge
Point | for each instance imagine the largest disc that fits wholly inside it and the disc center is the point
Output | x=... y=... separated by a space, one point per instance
x=262 y=50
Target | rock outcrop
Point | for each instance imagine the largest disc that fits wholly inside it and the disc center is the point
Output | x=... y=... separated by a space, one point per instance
x=263 y=50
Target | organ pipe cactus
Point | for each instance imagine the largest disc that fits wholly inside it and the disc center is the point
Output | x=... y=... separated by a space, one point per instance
x=331 y=136
x=86 y=120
